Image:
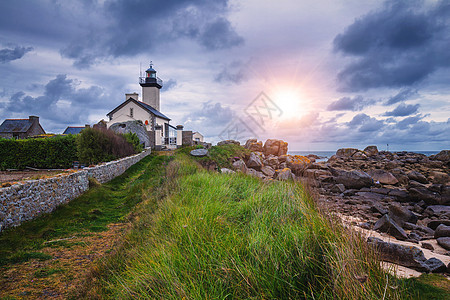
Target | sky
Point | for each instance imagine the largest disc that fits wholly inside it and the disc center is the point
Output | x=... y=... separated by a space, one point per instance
x=319 y=74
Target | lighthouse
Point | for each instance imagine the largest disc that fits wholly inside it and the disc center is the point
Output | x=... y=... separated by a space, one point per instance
x=151 y=85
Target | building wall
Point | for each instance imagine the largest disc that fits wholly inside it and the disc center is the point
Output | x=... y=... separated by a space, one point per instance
x=150 y=95
x=123 y=115
x=161 y=122
x=25 y=201
x=187 y=138
x=198 y=136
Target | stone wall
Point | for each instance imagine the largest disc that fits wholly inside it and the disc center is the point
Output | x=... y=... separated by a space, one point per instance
x=26 y=201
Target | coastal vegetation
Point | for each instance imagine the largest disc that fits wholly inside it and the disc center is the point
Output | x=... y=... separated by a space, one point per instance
x=196 y=234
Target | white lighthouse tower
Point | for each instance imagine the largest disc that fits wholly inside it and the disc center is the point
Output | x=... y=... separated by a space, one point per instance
x=151 y=85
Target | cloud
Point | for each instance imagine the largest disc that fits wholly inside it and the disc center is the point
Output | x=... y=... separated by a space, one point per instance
x=7 y=55
x=140 y=26
x=397 y=46
x=233 y=72
x=210 y=115
x=403 y=110
x=402 y=95
x=169 y=84
x=348 y=103
x=62 y=102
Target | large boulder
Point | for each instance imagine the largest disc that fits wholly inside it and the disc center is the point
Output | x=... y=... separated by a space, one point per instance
x=268 y=171
x=354 y=179
x=444 y=242
x=417 y=176
x=371 y=151
x=387 y=225
x=254 y=161
x=401 y=214
x=254 y=145
x=136 y=127
x=411 y=257
x=227 y=142
x=272 y=161
x=440 y=177
x=444 y=156
x=297 y=163
x=382 y=176
x=442 y=231
x=240 y=166
x=284 y=174
x=346 y=152
x=275 y=147
x=422 y=193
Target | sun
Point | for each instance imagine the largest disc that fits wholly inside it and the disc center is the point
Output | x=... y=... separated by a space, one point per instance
x=290 y=102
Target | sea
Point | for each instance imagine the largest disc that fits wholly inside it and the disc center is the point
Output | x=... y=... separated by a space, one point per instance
x=325 y=155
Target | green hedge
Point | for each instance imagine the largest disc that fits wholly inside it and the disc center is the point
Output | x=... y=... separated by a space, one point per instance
x=50 y=153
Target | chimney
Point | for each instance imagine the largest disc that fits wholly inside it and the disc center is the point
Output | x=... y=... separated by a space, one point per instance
x=87 y=126
x=34 y=119
x=134 y=95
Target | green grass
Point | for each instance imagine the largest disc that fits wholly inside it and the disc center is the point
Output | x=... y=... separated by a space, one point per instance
x=221 y=155
x=93 y=211
x=222 y=236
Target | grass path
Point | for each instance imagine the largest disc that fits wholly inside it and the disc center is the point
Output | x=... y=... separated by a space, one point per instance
x=50 y=256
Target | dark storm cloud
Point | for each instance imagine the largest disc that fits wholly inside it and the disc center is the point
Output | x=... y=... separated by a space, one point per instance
x=403 y=95
x=7 y=55
x=365 y=123
x=348 y=103
x=397 y=46
x=139 y=26
x=403 y=110
x=169 y=84
x=61 y=101
x=210 y=115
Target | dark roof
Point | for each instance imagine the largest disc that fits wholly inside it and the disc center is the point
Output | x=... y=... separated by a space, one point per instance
x=16 y=125
x=141 y=104
x=73 y=129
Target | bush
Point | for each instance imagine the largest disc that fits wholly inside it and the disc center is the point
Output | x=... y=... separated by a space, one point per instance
x=49 y=153
x=133 y=139
x=100 y=145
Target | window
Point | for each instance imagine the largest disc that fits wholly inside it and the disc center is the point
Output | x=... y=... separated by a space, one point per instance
x=131 y=112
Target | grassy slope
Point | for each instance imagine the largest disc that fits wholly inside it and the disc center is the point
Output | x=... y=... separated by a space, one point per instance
x=233 y=236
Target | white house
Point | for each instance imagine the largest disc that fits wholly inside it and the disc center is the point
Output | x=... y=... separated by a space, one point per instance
x=162 y=134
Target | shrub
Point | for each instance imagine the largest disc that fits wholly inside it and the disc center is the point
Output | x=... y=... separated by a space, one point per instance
x=133 y=139
x=98 y=145
x=55 y=152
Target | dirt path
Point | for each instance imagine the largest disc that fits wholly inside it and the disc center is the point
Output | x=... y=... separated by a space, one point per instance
x=59 y=277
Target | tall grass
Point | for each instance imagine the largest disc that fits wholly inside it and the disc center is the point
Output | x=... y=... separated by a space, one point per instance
x=218 y=236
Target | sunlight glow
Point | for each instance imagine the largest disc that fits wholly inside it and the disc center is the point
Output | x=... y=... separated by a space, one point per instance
x=290 y=101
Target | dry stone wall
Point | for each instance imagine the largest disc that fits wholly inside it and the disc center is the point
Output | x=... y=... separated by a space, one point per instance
x=26 y=201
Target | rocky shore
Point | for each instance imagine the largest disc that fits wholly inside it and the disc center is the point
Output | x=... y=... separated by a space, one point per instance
x=403 y=196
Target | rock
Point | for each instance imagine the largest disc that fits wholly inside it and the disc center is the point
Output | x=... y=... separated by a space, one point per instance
x=422 y=193
x=427 y=246
x=284 y=174
x=414 y=237
x=444 y=156
x=338 y=188
x=435 y=223
x=271 y=161
x=239 y=165
x=275 y=147
x=359 y=155
x=437 y=210
x=268 y=171
x=371 y=151
x=440 y=177
x=411 y=257
x=400 y=194
x=199 y=152
x=354 y=179
x=442 y=231
x=444 y=242
x=346 y=152
x=297 y=163
x=255 y=173
x=254 y=145
x=435 y=265
x=387 y=225
x=411 y=226
x=226 y=171
x=401 y=214
x=254 y=161
x=382 y=176
x=228 y=142
x=416 y=176
x=136 y=127
x=378 y=208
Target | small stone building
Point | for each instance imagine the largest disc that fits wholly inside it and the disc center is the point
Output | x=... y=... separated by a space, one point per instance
x=21 y=128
